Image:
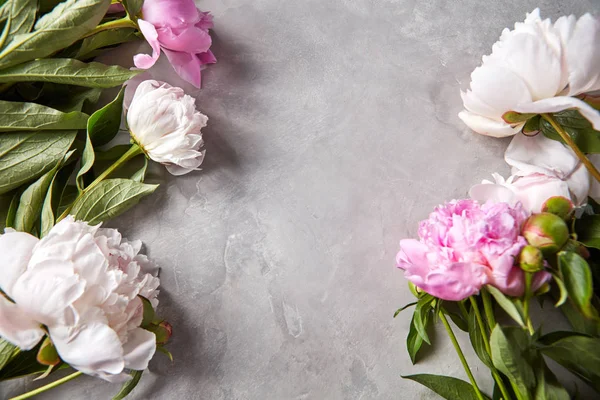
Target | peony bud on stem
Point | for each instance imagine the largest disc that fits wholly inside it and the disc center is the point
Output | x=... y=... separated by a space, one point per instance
x=531 y=259
x=558 y=205
x=547 y=232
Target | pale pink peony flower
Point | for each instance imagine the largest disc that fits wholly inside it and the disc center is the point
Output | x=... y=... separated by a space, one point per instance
x=465 y=245
x=82 y=283
x=181 y=31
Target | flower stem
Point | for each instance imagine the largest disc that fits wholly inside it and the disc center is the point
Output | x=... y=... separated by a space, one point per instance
x=47 y=387
x=463 y=360
x=489 y=310
x=488 y=349
x=125 y=22
x=568 y=140
x=527 y=301
x=133 y=151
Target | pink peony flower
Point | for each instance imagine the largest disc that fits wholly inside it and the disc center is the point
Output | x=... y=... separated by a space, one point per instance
x=181 y=31
x=465 y=245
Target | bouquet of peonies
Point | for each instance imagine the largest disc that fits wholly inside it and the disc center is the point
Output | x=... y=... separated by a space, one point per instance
x=73 y=294
x=533 y=235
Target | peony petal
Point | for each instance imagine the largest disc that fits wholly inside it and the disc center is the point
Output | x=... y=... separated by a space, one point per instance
x=173 y=13
x=496 y=193
x=93 y=348
x=533 y=190
x=454 y=283
x=188 y=40
x=145 y=61
x=16 y=326
x=488 y=127
x=15 y=252
x=583 y=56
x=561 y=103
x=207 y=58
x=139 y=349
x=186 y=65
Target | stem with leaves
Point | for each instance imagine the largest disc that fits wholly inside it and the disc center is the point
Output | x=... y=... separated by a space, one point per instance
x=49 y=386
x=463 y=360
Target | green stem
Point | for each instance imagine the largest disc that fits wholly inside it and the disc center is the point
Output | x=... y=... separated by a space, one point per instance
x=489 y=309
x=133 y=151
x=125 y=22
x=568 y=140
x=47 y=387
x=527 y=301
x=463 y=360
x=488 y=349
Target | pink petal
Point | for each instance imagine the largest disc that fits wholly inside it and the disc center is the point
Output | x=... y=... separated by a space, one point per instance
x=15 y=249
x=144 y=61
x=561 y=103
x=456 y=282
x=173 y=13
x=17 y=327
x=186 y=65
x=188 y=40
x=139 y=349
x=207 y=58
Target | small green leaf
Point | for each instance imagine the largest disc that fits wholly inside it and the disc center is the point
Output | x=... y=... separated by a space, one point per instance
x=458 y=320
x=109 y=199
x=579 y=128
x=25 y=156
x=47 y=354
x=477 y=340
x=129 y=385
x=133 y=7
x=414 y=341
x=512 y=117
x=102 y=39
x=507 y=305
x=148 y=312
x=588 y=230
x=31 y=202
x=87 y=160
x=421 y=317
x=140 y=175
x=577 y=278
x=448 y=387
x=398 y=311
x=548 y=387
x=15 y=116
x=532 y=126
x=68 y=72
x=104 y=124
x=564 y=295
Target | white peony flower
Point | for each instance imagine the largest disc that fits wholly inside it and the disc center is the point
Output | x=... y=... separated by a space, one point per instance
x=536 y=68
x=82 y=283
x=542 y=168
x=164 y=122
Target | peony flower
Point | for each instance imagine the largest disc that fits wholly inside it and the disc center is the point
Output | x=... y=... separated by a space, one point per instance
x=82 y=283
x=536 y=68
x=465 y=245
x=164 y=122
x=181 y=31
x=542 y=168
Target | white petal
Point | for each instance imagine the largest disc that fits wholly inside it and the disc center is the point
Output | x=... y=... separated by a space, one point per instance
x=583 y=56
x=139 y=349
x=595 y=185
x=15 y=251
x=16 y=326
x=579 y=185
x=533 y=190
x=495 y=193
x=94 y=348
x=538 y=154
x=561 y=103
x=488 y=127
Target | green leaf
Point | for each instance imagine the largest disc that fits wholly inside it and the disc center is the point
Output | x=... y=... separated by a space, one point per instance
x=48 y=5
x=61 y=27
x=87 y=159
x=577 y=278
x=477 y=340
x=109 y=199
x=414 y=341
x=12 y=210
x=564 y=295
x=579 y=128
x=576 y=352
x=421 y=316
x=509 y=354
x=133 y=7
x=507 y=305
x=25 y=156
x=102 y=39
x=31 y=202
x=22 y=16
x=140 y=175
x=579 y=322
x=129 y=385
x=398 y=311
x=448 y=387
x=148 y=312
x=24 y=364
x=548 y=387
x=77 y=99
x=7 y=352
x=588 y=230
x=69 y=72
x=104 y=124
x=458 y=320
x=15 y=116
x=55 y=190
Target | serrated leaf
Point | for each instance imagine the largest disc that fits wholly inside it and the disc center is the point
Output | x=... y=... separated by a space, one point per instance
x=69 y=72
x=61 y=27
x=102 y=39
x=446 y=386
x=108 y=199
x=577 y=278
x=25 y=156
x=104 y=124
x=576 y=126
x=16 y=116
x=129 y=385
x=22 y=16
x=507 y=305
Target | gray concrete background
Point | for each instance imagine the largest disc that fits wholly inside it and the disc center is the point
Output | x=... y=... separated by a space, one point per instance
x=332 y=132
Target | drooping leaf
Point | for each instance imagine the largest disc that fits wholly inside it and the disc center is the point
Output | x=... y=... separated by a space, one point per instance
x=414 y=341
x=69 y=72
x=421 y=316
x=446 y=386
x=25 y=156
x=577 y=278
x=588 y=230
x=108 y=199
x=129 y=385
x=64 y=25
x=576 y=352
x=398 y=311
x=579 y=128
x=16 y=116
x=102 y=39
x=510 y=347
x=507 y=305
x=104 y=124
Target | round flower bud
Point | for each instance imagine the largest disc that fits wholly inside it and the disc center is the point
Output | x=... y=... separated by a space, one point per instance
x=547 y=232
x=531 y=259
x=558 y=205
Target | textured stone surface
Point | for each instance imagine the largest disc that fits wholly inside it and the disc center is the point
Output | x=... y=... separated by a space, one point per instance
x=333 y=130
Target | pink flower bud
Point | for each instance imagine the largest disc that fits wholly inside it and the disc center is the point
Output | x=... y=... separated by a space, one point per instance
x=547 y=232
